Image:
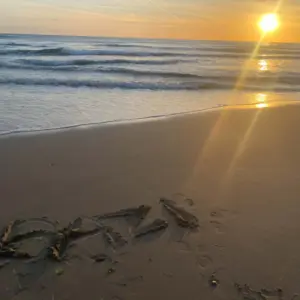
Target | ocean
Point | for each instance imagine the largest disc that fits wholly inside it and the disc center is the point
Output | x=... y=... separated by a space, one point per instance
x=59 y=81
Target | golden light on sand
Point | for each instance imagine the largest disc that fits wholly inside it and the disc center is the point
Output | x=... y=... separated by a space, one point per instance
x=268 y=23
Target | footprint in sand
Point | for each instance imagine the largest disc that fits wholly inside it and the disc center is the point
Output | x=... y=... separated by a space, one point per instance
x=217 y=218
x=204 y=261
x=219 y=227
x=182 y=198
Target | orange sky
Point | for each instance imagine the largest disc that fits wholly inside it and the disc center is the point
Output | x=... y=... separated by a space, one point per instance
x=180 y=19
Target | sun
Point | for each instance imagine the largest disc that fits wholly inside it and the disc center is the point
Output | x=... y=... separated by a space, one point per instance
x=268 y=23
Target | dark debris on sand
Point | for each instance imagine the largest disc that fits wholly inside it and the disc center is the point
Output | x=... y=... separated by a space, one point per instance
x=58 y=239
x=100 y=257
x=155 y=226
x=139 y=213
x=61 y=239
x=182 y=217
x=8 y=231
x=113 y=238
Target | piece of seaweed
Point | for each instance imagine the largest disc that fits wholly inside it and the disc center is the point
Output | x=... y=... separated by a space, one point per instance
x=62 y=238
x=155 y=226
x=182 y=217
x=6 y=252
x=138 y=213
x=8 y=231
x=100 y=257
x=113 y=238
x=60 y=241
x=29 y=235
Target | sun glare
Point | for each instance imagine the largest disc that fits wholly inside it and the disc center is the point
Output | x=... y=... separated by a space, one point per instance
x=268 y=23
x=262 y=105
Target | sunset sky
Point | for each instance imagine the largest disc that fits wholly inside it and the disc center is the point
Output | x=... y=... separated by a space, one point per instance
x=183 y=19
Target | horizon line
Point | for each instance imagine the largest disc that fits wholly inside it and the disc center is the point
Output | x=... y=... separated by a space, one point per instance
x=140 y=38
x=134 y=38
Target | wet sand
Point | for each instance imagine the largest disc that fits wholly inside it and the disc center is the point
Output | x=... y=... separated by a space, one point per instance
x=239 y=166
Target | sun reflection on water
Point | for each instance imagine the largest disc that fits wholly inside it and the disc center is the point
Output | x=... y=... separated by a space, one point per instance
x=261 y=100
x=262 y=105
x=263 y=65
x=260 y=97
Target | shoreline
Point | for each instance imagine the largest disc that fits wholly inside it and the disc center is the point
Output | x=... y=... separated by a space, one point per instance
x=116 y=122
x=240 y=166
x=153 y=118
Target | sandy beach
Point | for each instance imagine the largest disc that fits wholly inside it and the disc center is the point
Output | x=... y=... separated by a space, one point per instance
x=235 y=169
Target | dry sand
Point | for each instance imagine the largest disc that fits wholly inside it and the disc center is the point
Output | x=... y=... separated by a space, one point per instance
x=240 y=166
